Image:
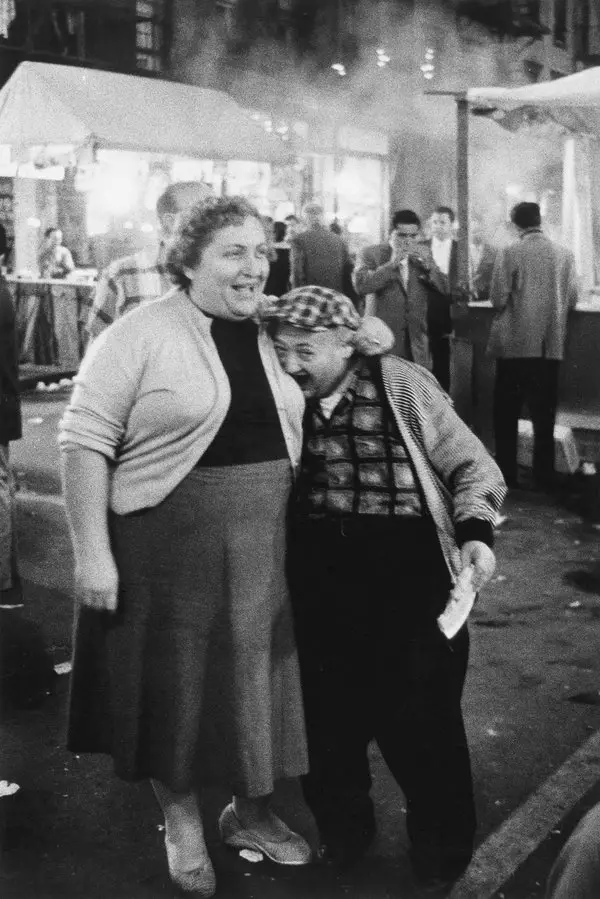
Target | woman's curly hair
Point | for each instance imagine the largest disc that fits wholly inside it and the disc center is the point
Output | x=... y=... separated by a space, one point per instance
x=198 y=229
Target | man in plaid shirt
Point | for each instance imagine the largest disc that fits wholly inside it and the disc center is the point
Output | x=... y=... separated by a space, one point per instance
x=137 y=279
x=396 y=499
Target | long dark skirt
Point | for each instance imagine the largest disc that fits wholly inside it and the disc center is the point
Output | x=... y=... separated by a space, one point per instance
x=195 y=679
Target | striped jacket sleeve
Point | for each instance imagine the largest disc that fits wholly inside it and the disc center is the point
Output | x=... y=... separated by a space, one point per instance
x=463 y=486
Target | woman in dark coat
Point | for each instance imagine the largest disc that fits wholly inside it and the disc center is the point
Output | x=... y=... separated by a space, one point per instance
x=278 y=281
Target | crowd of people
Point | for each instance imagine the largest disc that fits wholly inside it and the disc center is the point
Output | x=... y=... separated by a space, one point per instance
x=272 y=502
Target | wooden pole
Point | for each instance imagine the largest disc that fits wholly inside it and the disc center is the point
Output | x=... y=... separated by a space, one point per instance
x=462 y=177
x=462 y=185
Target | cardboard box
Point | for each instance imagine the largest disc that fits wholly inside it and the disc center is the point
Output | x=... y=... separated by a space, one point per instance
x=566 y=455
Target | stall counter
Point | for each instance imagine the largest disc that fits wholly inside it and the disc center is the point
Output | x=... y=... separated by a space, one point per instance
x=579 y=388
x=50 y=316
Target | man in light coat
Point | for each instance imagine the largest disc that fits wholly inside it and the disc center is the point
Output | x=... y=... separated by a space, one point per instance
x=534 y=286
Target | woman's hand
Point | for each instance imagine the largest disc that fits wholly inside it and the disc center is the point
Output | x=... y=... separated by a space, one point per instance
x=483 y=560
x=97 y=581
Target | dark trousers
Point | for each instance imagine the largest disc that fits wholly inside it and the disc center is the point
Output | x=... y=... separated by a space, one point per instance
x=375 y=666
x=439 y=346
x=533 y=382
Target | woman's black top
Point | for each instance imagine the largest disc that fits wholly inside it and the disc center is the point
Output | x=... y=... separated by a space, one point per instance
x=251 y=431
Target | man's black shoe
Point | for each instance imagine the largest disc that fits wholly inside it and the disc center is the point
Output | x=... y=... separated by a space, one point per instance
x=344 y=850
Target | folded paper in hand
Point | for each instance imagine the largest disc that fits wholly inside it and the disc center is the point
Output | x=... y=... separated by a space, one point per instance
x=459 y=604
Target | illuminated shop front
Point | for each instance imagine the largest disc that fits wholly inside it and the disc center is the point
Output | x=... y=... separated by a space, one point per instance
x=353 y=184
x=345 y=168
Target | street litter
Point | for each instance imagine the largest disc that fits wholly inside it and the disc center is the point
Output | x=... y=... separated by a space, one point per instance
x=8 y=789
x=251 y=856
x=63 y=667
x=591 y=697
x=576 y=604
x=459 y=605
x=35 y=421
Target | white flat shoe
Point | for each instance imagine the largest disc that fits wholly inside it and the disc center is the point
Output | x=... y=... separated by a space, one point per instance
x=201 y=880
x=292 y=850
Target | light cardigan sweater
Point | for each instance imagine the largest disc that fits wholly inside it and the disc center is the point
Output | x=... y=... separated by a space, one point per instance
x=151 y=395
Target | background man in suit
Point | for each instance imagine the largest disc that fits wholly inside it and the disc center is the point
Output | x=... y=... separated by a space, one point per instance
x=444 y=250
x=319 y=256
x=397 y=279
x=534 y=285
x=482 y=256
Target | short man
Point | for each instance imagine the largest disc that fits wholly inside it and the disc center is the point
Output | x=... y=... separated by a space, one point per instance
x=534 y=286
x=397 y=279
x=133 y=280
x=395 y=496
x=444 y=250
x=318 y=256
x=10 y=429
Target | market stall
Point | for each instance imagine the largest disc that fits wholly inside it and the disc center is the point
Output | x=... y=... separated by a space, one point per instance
x=569 y=109
x=91 y=150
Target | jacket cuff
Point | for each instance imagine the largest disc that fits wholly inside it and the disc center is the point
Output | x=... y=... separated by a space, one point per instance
x=474 y=529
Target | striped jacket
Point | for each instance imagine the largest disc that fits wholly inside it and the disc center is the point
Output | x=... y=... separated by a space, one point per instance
x=462 y=485
x=126 y=283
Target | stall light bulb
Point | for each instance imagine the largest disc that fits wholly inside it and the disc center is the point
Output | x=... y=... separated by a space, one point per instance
x=428 y=75
x=427 y=67
x=339 y=67
x=146 y=227
x=33 y=222
x=513 y=190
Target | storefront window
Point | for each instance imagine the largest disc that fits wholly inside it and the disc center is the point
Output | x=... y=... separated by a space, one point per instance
x=251 y=180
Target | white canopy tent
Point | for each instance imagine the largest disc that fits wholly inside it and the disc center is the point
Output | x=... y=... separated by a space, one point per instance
x=572 y=103
x=569 y=107
x=44 y=104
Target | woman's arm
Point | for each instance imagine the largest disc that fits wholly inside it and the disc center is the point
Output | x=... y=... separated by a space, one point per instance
x=86 y=479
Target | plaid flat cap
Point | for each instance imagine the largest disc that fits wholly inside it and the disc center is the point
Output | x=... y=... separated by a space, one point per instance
x=313 y=308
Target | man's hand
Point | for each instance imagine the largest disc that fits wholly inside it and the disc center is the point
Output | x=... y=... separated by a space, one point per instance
x=398 y=250
x=97 y=581
x=483 y=560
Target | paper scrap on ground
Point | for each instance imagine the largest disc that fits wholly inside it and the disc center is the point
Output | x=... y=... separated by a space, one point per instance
x=459 y=605
x=7 y=788
x=251 y=856
x=63 y=667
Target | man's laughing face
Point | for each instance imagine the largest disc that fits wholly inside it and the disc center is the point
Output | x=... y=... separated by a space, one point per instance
x=317 y=360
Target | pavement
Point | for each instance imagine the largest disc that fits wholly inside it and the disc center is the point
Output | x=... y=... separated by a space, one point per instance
x=532 y=709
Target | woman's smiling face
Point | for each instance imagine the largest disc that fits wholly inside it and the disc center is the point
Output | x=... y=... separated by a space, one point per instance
x=229 y=278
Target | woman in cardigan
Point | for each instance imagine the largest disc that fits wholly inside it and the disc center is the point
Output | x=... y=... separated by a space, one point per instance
x=178 y=450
